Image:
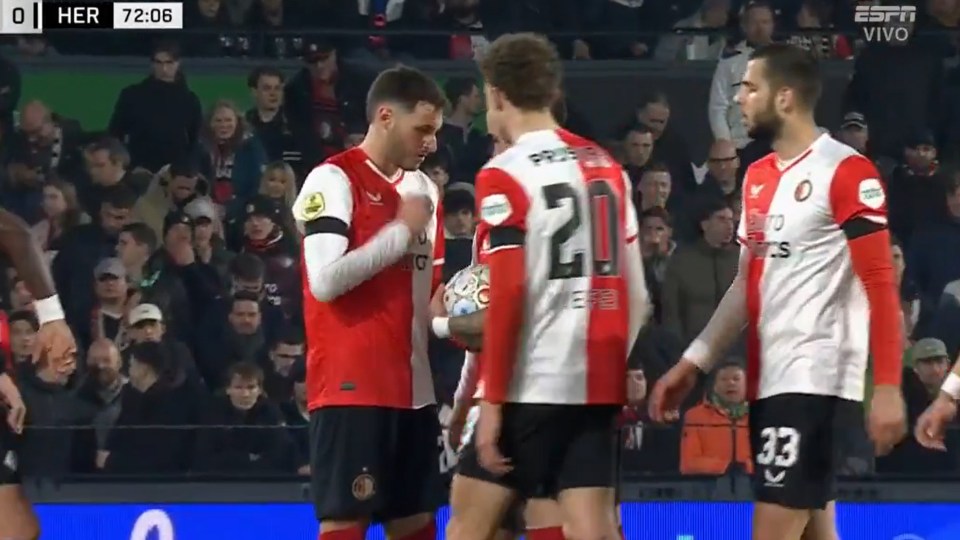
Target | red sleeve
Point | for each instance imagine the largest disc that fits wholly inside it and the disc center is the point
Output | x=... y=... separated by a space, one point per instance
x=502 y=206
x=858 y=202
x=439 y=249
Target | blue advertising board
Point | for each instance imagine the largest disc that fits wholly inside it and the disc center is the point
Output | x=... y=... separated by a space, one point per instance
x=649 y=521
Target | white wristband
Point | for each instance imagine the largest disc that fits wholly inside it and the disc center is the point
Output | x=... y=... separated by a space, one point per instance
x=441 y=327
x=951 y=385
x=48 y=309
x=700 y=355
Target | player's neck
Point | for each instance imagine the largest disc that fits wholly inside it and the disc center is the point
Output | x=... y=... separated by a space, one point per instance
x=528 y=122
x=376 y=151
x=794 y=138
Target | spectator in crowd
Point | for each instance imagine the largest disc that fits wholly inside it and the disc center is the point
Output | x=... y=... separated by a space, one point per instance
x=159 y=118
x=815 y=15
x=268 y=118
x=283 y=354
x=146 y=325
x=135 y=244
x=208 y=241
x=47 y=143
x=23 y=326
x=465 y=20
x=656 y=246
x=241 y=339
x=264 y=234
x=720 y=180
x=279 y=183
x=297 y=416
x=726 y=121
x=437 y=167
x=467 y=147
x=458 y=227
x=148 y=437
x=52 y=411
x=61 y=213
x=246 y=433
x=110 y=309
x=654 y=188
x=712 y=15
x=637 y=149
x=99 y=390
x=715 y=432
x=669 y=147
x=10 y=88
x=82 y=248
x=108 y=165
x=921 y=384
x=231 y=157
x=854 y=132
x=321 y=100
x=171 y=189
x=915 y=189
x=910 y=303
x=20 y=296
x=699 y=274
x=247 y=274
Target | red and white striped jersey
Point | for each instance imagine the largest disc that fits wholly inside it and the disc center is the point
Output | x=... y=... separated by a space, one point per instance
x=571 y=203
x=808 y=315
x=368 y=346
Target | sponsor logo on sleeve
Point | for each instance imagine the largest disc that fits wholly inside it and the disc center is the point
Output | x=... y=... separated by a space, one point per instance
x=495 y=209
x=311 y=208
x=871 y=193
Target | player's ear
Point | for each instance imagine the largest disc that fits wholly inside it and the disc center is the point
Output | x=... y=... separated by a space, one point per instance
x=384 y=114
x=497 y=97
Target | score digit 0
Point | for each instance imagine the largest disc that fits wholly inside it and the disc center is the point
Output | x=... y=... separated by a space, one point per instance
x=20 y=17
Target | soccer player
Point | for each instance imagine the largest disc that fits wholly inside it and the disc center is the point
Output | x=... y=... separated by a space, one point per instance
x=55 y=344
x=567 y=298
x=816 y=292
x=372 y=250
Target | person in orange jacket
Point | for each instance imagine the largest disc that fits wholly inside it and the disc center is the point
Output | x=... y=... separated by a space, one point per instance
x=715 y=433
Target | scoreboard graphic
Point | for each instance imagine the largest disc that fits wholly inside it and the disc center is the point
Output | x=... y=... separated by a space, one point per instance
x=35 y=16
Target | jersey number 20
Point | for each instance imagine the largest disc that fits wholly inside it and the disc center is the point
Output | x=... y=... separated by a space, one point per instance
x=603 y=231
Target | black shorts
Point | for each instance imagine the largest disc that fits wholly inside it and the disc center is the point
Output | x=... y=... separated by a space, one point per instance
x=553 y=448
x=799 y=442
x=374 y=463
x=9 y=459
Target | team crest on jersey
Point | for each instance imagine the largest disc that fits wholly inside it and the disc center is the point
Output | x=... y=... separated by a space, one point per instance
x=495 y=209
x=311 y=208
x=871 y=193
x=803 y=191
x=364 y=487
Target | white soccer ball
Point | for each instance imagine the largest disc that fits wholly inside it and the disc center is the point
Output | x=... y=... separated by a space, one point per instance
x=467 y=291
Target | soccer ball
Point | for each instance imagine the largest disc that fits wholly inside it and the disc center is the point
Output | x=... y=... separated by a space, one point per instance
x=467 y=291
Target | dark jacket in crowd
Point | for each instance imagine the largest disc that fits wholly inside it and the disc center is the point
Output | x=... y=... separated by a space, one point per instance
x=183 y=293
x=255 y=441
x=697 y=277
x=223 y=347
x=933 y=261
x=10 y=87
x=91 y=195
x=281 y=279
x=898 y=89
x=914 y=200
x=158 y=121
x=278 y=140
x=81 y=249
x=93 y=437
x=297 y=426
x=52 y=413
x=163 y=445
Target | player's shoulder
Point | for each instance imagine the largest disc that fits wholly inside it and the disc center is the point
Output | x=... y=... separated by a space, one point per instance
x=421 y=182
x=835 y=160
x=327 y=183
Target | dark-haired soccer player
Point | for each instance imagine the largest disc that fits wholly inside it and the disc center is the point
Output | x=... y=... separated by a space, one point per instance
x=567 y=297
x=816 y=291
x=372 y=250
x=54 y=344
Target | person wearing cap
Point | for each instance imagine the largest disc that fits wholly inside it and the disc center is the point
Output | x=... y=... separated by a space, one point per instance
x=915 y=194
x=921 y=386
x=853 y=132
x=173 y=186
x=160 y=116
x=265 y=236
x=208 y=241
x=110 y=288
x=145 y=324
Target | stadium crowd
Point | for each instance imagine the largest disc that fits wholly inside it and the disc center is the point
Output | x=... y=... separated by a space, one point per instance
x=175 y=254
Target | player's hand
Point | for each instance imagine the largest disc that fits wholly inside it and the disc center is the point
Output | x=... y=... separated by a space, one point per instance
x=457 y=422
x=415 y=212
x=488 y=439
x=16 y=413
x=887 y=424
x=932 y=424
x=437 y=307
x=670 y=391
x=636 y=387
x=55 y=344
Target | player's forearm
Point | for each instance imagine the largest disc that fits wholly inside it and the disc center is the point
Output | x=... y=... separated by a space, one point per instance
x=640 y=306
x=871 y=258
x=951 y=385
x=469 y=376
x=723 y=328
x=18 y=243
x=338 y=273
x=501 y=337
x=8 y=390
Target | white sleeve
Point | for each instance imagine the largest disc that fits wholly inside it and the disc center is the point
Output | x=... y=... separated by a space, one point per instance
x=469 y=378
x=632 y=225
x=639 y=296
x=719 y=102
x=324 y=212
x=726 y=323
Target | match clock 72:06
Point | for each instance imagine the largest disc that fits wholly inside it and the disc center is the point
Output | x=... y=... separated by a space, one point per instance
x=148 y=15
